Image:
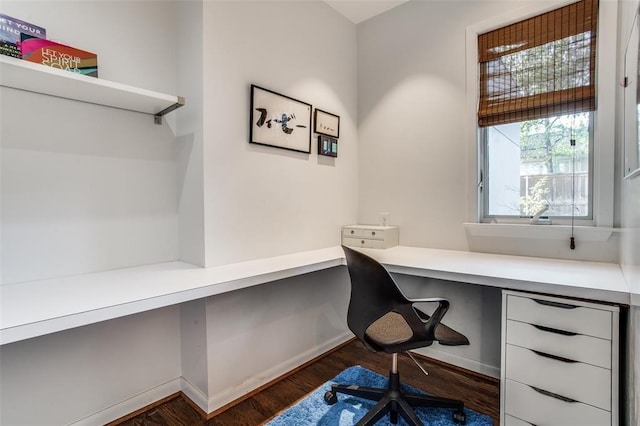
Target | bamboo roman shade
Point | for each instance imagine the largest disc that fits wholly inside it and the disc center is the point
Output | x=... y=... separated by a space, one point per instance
x=539 y=67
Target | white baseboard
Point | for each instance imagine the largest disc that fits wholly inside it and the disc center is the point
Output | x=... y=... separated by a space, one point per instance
x=469 y=364
x=130 y=405
x=157 y=393
x=194 y=394
x=222 y=398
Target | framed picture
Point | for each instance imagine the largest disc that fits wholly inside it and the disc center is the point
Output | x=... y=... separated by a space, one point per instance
x=280 y=121
x=327 y=146
x=326 y=123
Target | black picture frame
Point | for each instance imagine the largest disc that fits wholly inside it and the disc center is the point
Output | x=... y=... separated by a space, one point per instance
x=327 y=146
x=279 y=121
x=325 y=123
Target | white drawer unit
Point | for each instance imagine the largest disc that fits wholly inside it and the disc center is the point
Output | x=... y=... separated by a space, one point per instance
x=560 y=314
x=559 y=361
x=578 y=347
x=537 y=407
x=370 y=236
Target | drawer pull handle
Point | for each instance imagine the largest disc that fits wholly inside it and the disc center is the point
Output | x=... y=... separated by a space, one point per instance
x=554 y=304
x=556 y=357
x=353 y=232
x=552 y=395
x=554 y=330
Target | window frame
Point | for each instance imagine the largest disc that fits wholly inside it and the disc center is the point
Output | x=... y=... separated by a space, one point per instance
x=604 y=123
x=483 y=189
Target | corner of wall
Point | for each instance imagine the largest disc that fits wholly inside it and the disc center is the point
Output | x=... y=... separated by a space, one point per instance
x=189 y=134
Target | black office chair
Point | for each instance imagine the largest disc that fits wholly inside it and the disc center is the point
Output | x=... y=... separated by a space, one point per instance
x=385 y=320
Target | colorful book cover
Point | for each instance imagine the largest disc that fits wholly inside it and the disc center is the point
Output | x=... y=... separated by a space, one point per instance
x=10 y=34
x=56 y=55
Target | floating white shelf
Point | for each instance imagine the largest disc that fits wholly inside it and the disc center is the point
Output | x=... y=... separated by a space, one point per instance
x=31 y=77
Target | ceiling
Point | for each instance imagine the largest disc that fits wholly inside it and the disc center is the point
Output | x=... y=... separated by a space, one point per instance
x=361 y=10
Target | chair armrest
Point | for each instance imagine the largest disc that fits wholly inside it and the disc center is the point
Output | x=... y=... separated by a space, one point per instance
x=428 y=299
x=436 y=317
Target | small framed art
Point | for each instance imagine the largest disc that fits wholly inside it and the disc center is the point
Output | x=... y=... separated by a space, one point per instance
x=326 y=123
x=327 y=146
x=279 y=121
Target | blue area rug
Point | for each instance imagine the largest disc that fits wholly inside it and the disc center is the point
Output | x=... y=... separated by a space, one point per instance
x=313 y=410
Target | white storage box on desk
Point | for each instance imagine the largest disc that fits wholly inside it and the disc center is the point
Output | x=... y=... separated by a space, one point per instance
x=370 y=236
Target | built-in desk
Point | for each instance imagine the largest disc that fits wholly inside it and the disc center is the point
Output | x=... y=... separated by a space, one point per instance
x=586 y=280
x=559 y=355
x=32 y=309
x=36 y=308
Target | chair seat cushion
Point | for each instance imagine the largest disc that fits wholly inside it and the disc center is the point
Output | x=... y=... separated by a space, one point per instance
x=389 y=329
x=392 y=329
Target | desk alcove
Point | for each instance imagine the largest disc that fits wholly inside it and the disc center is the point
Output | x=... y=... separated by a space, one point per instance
x=43 y=307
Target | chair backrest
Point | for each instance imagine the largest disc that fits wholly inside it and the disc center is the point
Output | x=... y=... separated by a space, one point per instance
x=373 y=294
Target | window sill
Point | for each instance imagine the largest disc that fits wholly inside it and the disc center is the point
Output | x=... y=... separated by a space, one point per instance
x=541 y=232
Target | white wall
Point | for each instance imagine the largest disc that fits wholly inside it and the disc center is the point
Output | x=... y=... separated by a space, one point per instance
x=287 y=322
x=258 y=334
x=189 y=131
x=194 y=345
x=87 y=188
x=262 y=201
x=194 y=189
x=631 y=381
x=80 y=375
x=474 y=312
x=414 y=132
x=630 y=241
x=411 y=106
x=411 y=94
x=136 y=193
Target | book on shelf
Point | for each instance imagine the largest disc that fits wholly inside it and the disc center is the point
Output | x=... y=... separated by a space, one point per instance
x=56 y=55
x=10 y=34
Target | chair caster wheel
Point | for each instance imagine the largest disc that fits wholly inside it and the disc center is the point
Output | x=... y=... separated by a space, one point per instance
x=459 y=417
x=330 y=397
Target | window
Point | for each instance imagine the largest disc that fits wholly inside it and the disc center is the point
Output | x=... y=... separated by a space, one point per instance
x=536 y=114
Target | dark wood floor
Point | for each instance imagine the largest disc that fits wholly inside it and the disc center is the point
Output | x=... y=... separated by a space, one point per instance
x=479 y=392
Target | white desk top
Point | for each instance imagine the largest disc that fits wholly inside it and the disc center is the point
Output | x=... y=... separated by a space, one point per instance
x=587 y=280
x=36 y=308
